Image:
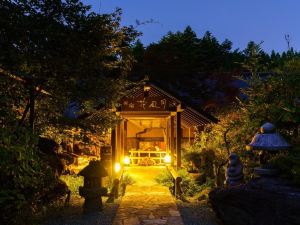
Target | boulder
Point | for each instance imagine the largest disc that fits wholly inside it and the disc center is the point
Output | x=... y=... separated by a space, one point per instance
x=262 y=201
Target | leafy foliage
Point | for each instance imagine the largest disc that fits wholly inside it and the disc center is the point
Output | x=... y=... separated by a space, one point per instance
x=189 y=186
x=72 y=54
x=272 y=98
x=165 y=178
x=53 y=53
x=194 y=68
x=73 y=182
x=127 y=180
x=26 y=180
x=288 y=165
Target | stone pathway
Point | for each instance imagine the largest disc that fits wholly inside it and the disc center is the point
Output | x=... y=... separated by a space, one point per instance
x=197 y=213
x=146 y=202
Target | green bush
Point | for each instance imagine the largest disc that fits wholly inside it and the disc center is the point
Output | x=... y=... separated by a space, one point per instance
x=189 y=186
x=192 y=160
x=25 y=179
x=288 y=165
x=165 y=179
x=73 y=182
x=127 y=180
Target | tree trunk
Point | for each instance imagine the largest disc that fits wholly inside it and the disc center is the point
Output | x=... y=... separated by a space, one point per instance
x=31 y=107
x=28 y=105
x=21 y=121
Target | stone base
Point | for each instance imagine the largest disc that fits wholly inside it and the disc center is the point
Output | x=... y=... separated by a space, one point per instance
x=262 y=201
x=92 y=205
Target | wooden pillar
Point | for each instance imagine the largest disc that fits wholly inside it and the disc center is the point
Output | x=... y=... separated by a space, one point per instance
x=189 y=136
x=113 y=150
x=172 y=138
x=178 y=139
x=118 y=143
x=168 y=134
x=125 y=137
x=121 y=140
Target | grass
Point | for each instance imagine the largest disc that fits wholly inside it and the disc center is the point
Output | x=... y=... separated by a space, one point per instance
x=73 y=182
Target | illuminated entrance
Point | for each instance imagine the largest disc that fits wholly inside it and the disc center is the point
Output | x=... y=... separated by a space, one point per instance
x=154 y=126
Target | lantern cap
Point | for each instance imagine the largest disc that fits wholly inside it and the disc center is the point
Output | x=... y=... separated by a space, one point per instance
x=267 y=128
x=95 y=169
x=268 y=139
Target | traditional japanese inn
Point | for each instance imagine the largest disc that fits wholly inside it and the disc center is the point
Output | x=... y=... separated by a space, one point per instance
x=154 y=126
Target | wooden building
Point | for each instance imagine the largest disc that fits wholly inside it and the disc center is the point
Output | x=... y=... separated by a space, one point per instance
x=154 y=126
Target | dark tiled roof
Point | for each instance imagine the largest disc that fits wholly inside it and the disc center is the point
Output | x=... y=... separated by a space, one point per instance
x=190 y=116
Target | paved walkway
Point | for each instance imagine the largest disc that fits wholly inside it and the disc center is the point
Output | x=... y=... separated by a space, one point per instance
x=145 y=202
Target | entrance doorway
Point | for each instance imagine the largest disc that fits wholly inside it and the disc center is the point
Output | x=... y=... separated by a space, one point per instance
x=146 y=141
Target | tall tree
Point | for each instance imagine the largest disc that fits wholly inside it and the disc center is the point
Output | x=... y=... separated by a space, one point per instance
x=63 y=48
x=198 y=69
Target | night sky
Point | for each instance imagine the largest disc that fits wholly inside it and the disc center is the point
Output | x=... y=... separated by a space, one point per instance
x=238 y=20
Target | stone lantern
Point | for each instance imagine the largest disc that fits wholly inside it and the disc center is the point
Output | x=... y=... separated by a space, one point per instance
x=268 y=142
x=92 y=189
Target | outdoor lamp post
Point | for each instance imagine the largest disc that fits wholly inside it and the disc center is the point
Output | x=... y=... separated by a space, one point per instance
x=268 y=142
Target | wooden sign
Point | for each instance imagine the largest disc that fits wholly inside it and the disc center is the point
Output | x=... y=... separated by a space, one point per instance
x=106 y=153
x=145 y=104
x=150 y=139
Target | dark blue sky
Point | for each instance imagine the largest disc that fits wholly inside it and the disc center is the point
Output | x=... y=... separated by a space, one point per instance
x=238 y=20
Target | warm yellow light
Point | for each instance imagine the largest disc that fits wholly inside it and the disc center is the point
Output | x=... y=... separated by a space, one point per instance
x=126 y=160
x=167 y=159
x=248 y=148
x=117 y=167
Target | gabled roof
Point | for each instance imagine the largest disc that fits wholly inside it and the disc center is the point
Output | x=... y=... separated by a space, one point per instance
x=190 y=116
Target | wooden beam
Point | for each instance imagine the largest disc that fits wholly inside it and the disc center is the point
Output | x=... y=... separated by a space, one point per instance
x=177 y=180
x=172 y=129
x=125 y=136
x=121 y=139
x=189 y=135
x=113 y=146
x=118 y=142
x=168 y=134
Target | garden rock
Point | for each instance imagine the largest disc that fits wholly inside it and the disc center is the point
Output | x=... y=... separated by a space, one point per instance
x=262 y=201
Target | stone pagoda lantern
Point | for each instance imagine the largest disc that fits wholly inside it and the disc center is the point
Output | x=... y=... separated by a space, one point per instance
x=92 y=189
x=268 y=142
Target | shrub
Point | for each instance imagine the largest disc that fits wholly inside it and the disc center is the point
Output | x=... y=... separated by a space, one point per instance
x=192 y=159
x=165 y=179
x=73 y=182
x=127 y=180
x=288 y=165
x=25 y=179
x=189 y=186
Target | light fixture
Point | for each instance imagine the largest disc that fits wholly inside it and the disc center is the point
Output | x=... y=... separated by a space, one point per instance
x=117 y=167
x=126 y=160
x=167 y=159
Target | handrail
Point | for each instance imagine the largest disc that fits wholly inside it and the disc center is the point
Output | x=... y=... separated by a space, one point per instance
x=177 y=181
x=145 y=151
x=114 y=193
x=136 y=158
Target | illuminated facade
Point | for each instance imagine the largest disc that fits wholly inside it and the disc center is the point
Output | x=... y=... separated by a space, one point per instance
x=154 y=126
